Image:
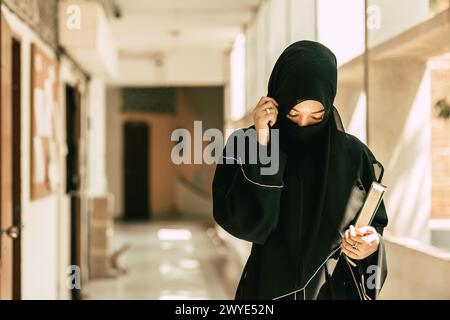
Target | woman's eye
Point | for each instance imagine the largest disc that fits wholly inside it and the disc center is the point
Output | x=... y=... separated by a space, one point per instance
x=318 y=118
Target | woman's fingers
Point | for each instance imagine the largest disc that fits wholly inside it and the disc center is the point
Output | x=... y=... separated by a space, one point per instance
x=347 y=237
x=349 y=253
x=268 y=114
x=265 y=115
x=264 y=100
x=371 y=239
x=351 y=249
x=352 y=231
x=367 y=230
x=272 y=107
x=352 y=240
x=265 y=111
x=266 y=103
x=272 y=119
x=355 y=232
x=357 y=239
x=355 y=235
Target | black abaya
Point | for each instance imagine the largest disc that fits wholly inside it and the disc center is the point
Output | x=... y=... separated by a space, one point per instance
x=296 y=217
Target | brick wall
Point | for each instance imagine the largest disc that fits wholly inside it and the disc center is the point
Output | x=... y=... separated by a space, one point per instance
x=440 y=133
x=40 y=15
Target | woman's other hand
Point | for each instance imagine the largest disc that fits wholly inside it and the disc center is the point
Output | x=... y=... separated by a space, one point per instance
x=360 y=243
x=265 y=114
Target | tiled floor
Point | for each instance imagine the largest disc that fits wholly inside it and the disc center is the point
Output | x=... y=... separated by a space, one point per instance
x=169 y=261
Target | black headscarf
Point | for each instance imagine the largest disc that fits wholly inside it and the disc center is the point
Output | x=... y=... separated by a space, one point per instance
x=306 y=70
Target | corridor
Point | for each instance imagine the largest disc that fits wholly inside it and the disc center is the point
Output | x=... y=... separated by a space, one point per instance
x=173 y=260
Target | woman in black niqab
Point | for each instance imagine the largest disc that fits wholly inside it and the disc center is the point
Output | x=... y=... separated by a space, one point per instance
x=297 y=217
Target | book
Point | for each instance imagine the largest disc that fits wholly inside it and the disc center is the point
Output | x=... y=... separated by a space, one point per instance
x=369 y=208
x=371 y=204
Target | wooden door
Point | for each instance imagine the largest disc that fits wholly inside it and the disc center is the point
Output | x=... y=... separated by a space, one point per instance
x=136 y=164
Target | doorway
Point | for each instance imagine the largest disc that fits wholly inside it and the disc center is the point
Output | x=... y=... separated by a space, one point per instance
x=73 y=135
x=136 y=171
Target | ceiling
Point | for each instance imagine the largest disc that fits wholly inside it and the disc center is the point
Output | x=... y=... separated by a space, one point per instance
x=148 y=26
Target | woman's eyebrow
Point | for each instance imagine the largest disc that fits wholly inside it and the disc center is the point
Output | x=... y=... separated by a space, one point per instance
x=318 y=111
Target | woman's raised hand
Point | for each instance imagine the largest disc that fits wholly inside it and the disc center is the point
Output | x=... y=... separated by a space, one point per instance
x=265 y=114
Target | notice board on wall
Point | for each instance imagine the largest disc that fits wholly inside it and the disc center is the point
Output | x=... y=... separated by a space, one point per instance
x=44 y=121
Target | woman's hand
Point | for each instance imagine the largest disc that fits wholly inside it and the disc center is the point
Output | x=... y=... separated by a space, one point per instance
x=360 y=243
x=265 y=113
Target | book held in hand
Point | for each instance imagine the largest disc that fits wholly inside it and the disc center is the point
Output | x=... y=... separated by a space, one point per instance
x=369 y=208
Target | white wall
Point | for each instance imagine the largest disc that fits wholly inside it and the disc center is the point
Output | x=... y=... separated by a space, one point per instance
x=192 y=67
x=97 y=184
x=395 y=17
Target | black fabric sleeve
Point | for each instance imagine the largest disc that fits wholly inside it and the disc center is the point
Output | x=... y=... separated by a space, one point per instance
x=246 y=203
